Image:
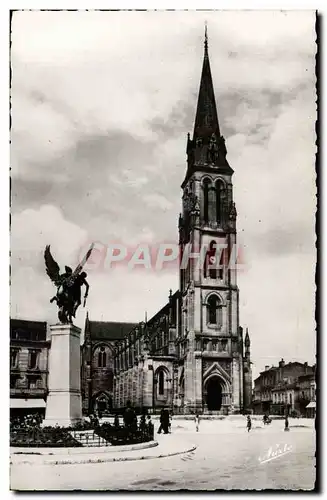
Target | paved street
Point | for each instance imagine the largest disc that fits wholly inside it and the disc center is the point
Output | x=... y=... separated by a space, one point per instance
x=227 y=457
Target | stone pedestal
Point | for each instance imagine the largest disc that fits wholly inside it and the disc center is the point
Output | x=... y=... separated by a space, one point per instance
x=64 y=403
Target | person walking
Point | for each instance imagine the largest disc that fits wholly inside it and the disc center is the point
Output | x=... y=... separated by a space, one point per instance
x=143 y=422
x=129 y=416
x=197 y=422
x=165 y=424
x=116 y=422
x=169 y=424
x=286 y=424
x=162 y=419
x=150 y=426
x=248 y=423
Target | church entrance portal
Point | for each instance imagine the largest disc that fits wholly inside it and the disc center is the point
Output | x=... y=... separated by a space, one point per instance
x=214 y=394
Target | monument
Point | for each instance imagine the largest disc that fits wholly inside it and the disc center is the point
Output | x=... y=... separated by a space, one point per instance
x=64 y=404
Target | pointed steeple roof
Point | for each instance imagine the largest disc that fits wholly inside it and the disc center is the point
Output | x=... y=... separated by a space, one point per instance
x=247 y=339
x=206 y=119
x=206 y=151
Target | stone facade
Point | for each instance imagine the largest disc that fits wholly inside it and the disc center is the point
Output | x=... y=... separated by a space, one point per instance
x=97 y=363
x=284 y=389
x=146 y=361
x=29 y=351
x=64 y=404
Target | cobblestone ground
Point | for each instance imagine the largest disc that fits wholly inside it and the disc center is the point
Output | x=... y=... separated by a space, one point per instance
x=227 y=457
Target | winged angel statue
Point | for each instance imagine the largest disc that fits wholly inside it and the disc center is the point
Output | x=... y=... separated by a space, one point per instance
x=69 y=284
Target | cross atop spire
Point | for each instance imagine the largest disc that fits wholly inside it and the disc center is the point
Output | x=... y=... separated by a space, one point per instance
x=206 y=119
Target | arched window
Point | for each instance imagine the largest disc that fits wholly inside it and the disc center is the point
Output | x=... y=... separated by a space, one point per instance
x=212 y=204
x=214 y=311
x=161 y=382
x=102 y=358
x=33 y=358
x=219 y=200
x=210 y=263
x=110 y=381
x=14 y=358
x=206 y=188
x=221 y=265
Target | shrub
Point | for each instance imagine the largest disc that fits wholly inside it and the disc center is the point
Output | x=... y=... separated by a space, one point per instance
x=56 y=437
x=124 y=435
x=295 y=414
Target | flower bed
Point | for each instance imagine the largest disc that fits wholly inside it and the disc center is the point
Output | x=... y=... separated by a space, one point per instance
x=27 y=432
x=47 y=437
x=124 y=435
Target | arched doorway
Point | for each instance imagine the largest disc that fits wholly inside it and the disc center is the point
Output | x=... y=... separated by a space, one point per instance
x=103 y=402
x=214 y=394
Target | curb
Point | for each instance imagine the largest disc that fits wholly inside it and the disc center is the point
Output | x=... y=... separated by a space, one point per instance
x=105 y=459
x=83 y=450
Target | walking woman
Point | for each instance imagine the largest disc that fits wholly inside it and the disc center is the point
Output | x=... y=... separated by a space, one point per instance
x=197 y=422
x=248 y=423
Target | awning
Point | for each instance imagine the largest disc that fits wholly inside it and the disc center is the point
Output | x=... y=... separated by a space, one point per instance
x=312 y=404
x=16 y=403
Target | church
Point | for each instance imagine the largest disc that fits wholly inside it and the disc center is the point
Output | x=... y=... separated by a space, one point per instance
x=191 y=356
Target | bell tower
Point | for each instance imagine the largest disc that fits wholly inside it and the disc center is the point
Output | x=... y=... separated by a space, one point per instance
x=210 y=340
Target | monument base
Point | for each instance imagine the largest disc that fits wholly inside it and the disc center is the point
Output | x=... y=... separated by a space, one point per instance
x=63 y=409
x=64 y=403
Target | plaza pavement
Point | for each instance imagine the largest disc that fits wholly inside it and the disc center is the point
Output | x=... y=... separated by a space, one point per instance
x=226 y=457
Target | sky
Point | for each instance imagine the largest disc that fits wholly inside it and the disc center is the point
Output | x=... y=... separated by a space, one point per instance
x=101 y=104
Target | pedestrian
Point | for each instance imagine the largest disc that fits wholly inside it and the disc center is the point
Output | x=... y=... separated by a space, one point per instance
x=96 y=422
x=248 y=423
x=129 y=416
x=116 y=421
x=150 y=427
x=197 y=422
x=286 y=424
x=143 y=422
x=169 y=424
x=162 y=419
x=165 y=425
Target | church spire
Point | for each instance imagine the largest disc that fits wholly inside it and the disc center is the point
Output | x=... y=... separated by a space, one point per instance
x=207 y=148
x=206 y=119
x=205 y=40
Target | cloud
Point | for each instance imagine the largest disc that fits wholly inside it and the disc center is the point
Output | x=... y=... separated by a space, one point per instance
x=157 y=201
x=31 y=231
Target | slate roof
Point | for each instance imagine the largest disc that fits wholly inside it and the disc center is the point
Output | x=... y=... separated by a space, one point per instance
x=206 y=118
x=25 y=328
x=109 y=330
x=164 y=309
